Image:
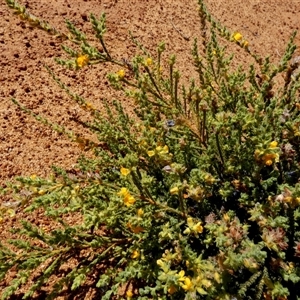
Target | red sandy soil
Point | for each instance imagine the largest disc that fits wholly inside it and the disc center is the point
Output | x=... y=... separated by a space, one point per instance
x=28 y=147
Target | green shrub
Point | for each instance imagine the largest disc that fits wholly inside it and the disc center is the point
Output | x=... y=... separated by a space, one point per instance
x=196 y=197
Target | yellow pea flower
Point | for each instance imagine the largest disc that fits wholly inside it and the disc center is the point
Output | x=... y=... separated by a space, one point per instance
x=135 y=254
x=187 y=285
x=193 y=227
x=198 y=228
x=41 y=192
x=121 y=74
x=129 y=200
x=123 y=192
x=129 y=294
x=288 y=199
x=89 y=106
x=269 y=158
x=151 y=153
x=268 y=162
x=148 y=62
x=174 y=190
x=124 y=171
x=162 y=150
x=237 y=36
x=273 y=144
x=82 y=61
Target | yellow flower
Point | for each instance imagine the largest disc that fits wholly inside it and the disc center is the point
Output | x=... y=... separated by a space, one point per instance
x=192 y=227
x=273 y=144
x=121 y=74
x=268 y=162
x=42 y=192
x=135 y=254
x=33 y=177
x=198 y=228
x=151 y=153
x=82 y=60
x=89 y=106
x=124 y=171
x=288 y=199
x=129 y=200
x=187 y=285
x=129 y=294
x=174 y=190
x=148 y=62
x=237 y=36
x=162 y=150
x=123 y=192
x=269 y=158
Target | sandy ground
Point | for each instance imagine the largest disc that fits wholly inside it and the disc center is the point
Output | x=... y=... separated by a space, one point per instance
x=28 y=147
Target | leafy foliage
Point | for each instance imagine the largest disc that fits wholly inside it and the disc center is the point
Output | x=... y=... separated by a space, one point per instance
x=196 y=197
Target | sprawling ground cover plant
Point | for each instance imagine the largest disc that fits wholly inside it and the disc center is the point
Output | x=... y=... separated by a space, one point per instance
x=196 y=197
